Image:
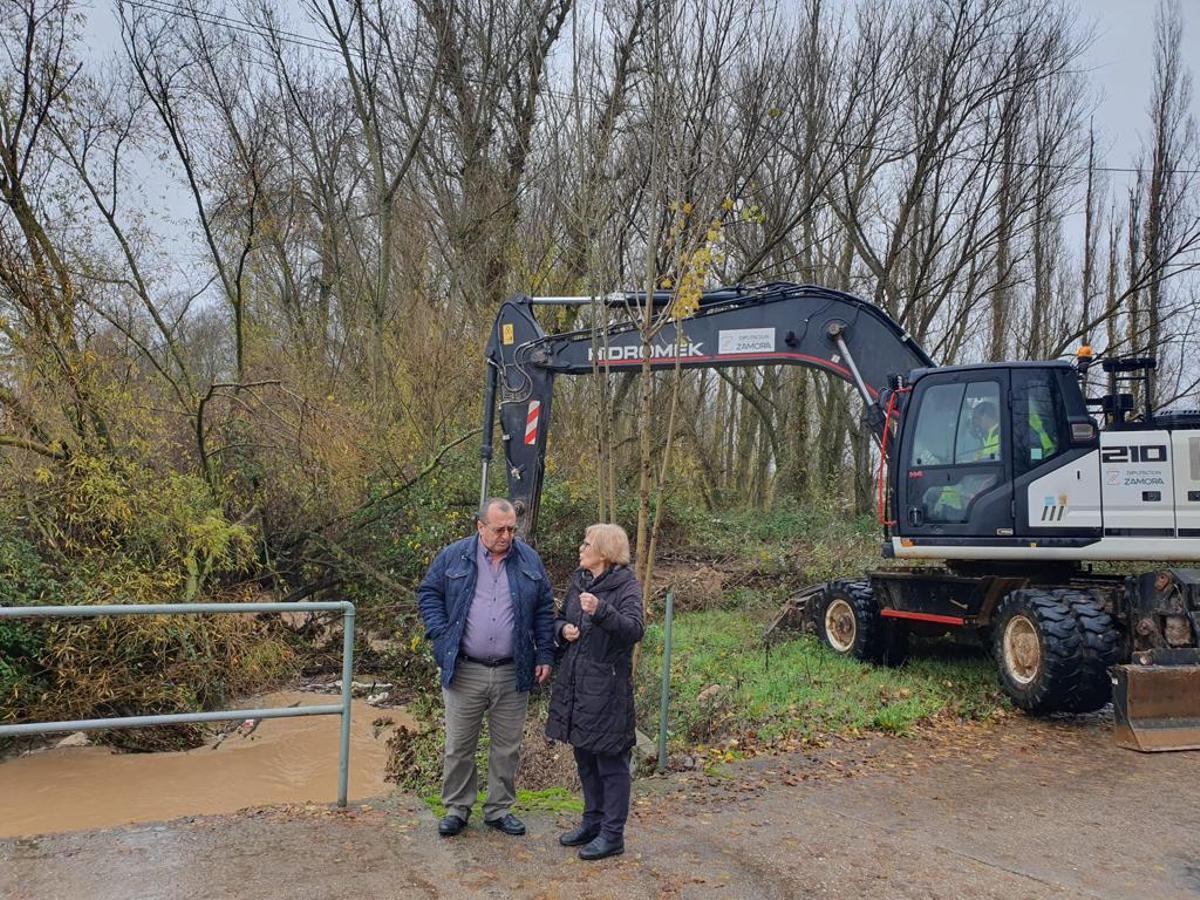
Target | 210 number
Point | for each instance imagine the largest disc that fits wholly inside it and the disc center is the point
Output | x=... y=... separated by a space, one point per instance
x=1148 y=453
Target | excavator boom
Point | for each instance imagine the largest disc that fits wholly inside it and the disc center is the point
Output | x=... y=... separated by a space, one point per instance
x=773 y=324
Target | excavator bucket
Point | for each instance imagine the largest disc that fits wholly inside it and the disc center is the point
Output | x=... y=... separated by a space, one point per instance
x=1157 y=707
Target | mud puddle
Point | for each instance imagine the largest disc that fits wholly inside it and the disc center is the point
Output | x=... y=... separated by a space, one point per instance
x=273 y=761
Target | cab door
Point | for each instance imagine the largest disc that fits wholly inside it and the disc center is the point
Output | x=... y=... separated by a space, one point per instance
x=954 y=474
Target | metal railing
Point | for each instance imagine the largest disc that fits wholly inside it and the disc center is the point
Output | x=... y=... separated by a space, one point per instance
x=167 y=609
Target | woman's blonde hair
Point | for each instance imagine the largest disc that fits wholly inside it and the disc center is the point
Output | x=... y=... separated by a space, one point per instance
x=610 y=542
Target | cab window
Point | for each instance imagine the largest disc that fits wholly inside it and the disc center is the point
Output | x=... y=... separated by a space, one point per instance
x=957 y=450
x=978 y=432
x=933 y=441
x=1039 y=419
x=958 y=424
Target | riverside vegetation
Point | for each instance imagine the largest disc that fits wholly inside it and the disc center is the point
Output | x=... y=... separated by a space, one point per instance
x=114 y=534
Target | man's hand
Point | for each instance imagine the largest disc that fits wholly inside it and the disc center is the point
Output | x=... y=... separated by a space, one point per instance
x=570 y=632
x=542 y=673
x=589 y=602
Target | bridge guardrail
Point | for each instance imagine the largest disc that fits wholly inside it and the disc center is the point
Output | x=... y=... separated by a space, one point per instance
x=166 y=609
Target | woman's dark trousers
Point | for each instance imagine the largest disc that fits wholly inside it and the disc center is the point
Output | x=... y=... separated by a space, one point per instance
x=606 y=781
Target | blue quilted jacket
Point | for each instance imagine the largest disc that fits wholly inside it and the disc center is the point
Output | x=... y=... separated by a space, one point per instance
x=445 y=597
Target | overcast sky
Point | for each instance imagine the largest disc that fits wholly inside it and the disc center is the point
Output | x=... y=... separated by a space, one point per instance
x=1121 y=64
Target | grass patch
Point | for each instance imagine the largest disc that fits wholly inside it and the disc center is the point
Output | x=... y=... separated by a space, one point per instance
x=723 y=686
x=548 y=800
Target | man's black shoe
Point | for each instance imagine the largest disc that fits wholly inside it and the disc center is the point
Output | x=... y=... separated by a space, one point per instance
x=510 y=824
x=451 y=825
x=577 y=836
x=601 y=847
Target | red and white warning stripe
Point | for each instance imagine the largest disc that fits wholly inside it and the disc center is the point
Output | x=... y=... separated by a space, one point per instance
x=531 y=421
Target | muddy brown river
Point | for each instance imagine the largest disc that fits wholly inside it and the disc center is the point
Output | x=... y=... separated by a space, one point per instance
x=280 y=761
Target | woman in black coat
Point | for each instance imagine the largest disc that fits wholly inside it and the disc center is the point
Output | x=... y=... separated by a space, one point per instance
x=591 y=706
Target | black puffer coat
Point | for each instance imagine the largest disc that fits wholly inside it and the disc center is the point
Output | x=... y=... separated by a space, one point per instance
x=591 y=706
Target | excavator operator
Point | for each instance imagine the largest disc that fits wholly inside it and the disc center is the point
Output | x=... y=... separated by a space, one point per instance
x=985 y=425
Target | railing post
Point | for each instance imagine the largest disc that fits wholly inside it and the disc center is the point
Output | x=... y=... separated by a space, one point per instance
x=347 y=694
x=668 y=616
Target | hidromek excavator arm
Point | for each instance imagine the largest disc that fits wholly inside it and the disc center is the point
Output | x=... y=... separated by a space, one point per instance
x=782 y=324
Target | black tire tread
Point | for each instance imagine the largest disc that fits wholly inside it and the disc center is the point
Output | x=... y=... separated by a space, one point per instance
x=1100 y=647
x=1063 y=663
x=871 y=637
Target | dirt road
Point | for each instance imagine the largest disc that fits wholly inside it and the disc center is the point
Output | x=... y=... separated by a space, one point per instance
x=1021 y=809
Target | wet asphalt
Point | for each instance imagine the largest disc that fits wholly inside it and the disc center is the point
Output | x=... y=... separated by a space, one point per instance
x=1015 y=809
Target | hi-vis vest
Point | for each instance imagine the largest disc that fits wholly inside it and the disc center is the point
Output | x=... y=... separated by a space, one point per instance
x=1044 y=438
x=991 y=444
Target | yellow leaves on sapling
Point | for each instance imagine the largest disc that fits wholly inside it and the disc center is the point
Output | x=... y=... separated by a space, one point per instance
x=695 y=268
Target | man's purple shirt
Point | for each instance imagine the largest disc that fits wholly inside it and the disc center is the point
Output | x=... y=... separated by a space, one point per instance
x=489 y=628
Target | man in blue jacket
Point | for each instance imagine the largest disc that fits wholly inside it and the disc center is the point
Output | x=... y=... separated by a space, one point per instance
x=489 y=611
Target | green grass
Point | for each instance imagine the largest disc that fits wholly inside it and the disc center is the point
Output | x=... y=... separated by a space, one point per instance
x=802 y=691
x=550 y=800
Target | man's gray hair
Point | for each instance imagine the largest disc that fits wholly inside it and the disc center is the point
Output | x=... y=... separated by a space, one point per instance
x=494 y=503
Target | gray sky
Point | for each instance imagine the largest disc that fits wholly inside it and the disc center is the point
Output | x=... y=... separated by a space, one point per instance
x=1121 y=65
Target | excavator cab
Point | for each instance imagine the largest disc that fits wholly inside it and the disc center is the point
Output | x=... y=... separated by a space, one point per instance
x=974 y=438
x=955 y=456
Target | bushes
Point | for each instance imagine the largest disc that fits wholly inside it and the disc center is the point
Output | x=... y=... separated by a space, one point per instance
x=120 y=529
x=24 y=581
x=153 y=664
x=20 y=647
x=114 y=530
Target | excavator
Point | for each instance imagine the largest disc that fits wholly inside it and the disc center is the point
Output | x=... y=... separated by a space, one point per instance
x=1008 y=513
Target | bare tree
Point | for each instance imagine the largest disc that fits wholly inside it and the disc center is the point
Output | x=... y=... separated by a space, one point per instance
x=38 y=287
x=1170 y=211
x=191 y=73
x=392 y=99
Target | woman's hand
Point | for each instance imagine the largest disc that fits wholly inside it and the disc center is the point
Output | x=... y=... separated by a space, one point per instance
x=570 y=632
x=589 y=602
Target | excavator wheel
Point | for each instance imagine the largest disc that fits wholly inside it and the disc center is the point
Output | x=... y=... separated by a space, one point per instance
x=849 y=623
x=1037 y=647
x=1100 y=648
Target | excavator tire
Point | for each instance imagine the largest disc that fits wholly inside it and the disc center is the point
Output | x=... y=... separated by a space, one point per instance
x=849 y=623
x=1039 y=651
x=1101 y=649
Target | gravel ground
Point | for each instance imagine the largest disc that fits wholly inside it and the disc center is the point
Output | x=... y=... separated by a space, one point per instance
x=1016 y=809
